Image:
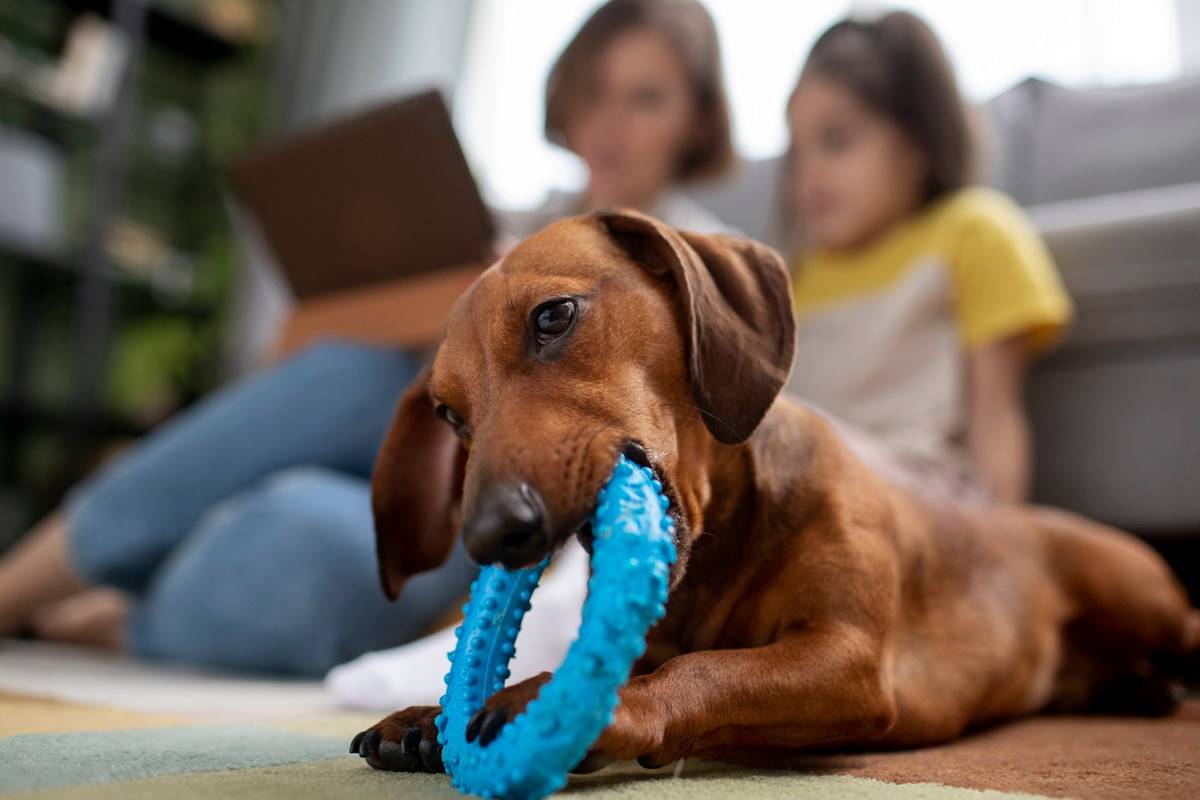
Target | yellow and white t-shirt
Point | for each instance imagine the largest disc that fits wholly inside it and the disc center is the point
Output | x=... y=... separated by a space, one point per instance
x=884 y=331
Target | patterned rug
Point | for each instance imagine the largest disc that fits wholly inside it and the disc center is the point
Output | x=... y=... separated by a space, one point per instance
x=56 y=749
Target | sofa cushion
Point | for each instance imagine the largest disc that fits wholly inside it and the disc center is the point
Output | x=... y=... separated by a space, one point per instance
x=1114 y=410
x=1131 y=262
x=749 y=198
x=1052 y=143
x=1005 y=128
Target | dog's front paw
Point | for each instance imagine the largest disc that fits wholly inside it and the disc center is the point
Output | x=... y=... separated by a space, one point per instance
x=405 y=741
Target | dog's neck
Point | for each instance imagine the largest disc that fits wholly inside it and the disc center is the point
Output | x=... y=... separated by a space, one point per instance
x=711 y=565
x=717 y=484
x=731 y=470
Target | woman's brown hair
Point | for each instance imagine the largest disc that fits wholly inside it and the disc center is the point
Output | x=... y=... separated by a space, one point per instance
x=897 y=67
x=687 y=26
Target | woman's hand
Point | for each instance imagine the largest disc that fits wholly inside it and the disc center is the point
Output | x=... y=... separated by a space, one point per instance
x=998 y=435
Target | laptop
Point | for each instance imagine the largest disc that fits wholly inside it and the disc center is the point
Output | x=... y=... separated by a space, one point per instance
x=381 y=195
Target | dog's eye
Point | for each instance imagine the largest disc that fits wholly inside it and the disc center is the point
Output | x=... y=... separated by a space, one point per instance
x=450 y=415
x=553 y=319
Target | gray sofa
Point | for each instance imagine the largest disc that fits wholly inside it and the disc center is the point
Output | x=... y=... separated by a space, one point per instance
x=1111 y=178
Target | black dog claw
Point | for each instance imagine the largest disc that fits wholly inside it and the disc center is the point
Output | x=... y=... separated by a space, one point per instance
x=492 y=726
x=411 y=741
x=354 y=743
x=486 y=725
x=369 y=743
x=474 y=723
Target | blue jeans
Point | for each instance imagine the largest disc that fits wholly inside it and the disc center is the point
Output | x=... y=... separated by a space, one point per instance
x=243 y=527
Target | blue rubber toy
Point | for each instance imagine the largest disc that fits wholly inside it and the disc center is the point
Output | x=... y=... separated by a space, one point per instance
x=531 y=756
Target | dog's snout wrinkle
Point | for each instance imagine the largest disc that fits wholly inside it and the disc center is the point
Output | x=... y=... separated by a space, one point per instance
x=508 y=524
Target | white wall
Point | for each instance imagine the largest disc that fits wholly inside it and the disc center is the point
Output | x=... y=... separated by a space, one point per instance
x=1188 y=13
x=335 y=56
x=339 y=55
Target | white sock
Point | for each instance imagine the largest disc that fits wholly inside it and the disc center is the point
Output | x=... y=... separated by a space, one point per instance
x=413 y=674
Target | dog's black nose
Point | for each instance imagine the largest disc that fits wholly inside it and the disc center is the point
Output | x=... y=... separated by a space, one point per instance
x=508 y=524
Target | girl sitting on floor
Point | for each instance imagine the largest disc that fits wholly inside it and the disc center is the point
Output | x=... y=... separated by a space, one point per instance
x=921 y=300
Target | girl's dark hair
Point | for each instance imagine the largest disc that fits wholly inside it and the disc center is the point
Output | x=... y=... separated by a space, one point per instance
x=897 y=67
x=690 y=30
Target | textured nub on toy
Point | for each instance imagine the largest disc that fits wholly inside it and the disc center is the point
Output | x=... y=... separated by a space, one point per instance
x=632 y=553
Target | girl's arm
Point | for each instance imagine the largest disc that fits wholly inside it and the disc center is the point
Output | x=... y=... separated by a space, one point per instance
x=998 y=435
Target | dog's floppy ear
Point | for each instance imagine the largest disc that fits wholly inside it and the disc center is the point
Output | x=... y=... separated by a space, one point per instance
x=736 y=300
x=416 y=490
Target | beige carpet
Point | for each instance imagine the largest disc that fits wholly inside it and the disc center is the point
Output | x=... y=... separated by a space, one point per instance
x=55 y=748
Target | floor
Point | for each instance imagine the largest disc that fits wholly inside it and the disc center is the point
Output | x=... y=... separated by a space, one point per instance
x=75 y=724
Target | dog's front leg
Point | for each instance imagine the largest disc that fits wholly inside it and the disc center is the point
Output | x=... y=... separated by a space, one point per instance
x=813 y=687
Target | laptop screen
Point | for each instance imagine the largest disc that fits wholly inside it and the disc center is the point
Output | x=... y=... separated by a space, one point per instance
x=374 y=197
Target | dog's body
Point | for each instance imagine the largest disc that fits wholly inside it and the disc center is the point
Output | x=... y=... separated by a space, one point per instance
x=817 y=602
x=949 y=616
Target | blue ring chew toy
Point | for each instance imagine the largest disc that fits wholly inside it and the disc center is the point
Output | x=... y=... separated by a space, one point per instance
x=631 y=558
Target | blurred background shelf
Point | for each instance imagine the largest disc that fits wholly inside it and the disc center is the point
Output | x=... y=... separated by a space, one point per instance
x=116 y=117
x=173 y=28
x=138 y=294
x=107 y=426
x=60 y=125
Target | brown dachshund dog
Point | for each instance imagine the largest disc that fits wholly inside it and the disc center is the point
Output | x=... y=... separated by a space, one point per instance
x=818 y=601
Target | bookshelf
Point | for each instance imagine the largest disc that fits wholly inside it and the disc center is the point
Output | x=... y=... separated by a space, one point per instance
x=112 y=321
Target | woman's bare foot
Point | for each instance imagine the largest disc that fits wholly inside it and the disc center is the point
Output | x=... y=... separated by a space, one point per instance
x=95 y=617
x=37 y=571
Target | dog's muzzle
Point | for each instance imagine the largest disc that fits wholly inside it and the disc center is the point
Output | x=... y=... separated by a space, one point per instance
x=507 y=525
